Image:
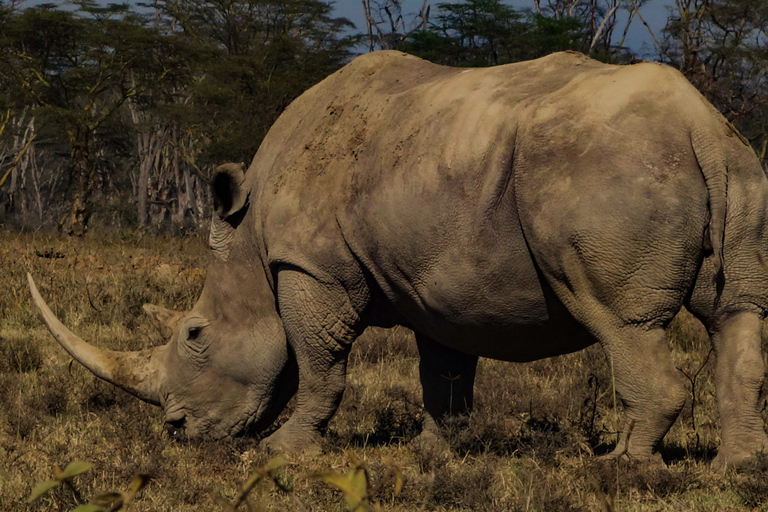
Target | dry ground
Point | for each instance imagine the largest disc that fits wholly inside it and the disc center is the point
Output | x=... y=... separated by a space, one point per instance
x=529 y=445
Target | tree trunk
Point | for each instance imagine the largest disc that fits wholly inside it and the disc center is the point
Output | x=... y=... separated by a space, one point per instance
x=181 y=198
x=155 y=164
x=143 y=184
x=75 y=223
x=34 y=170
x=191 y=199
x=12 y=190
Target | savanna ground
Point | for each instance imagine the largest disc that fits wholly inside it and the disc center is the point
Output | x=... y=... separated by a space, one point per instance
x=529 y=445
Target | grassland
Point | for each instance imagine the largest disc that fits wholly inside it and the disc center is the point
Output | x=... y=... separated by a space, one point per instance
x=529 y=445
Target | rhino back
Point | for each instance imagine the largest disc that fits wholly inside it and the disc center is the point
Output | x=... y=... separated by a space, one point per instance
x=405 y=166
x=451 y=189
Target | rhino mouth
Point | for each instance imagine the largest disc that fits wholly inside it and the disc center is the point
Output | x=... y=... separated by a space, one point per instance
x=177 y=429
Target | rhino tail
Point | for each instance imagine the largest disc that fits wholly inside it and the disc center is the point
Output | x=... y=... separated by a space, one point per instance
x=711 y=159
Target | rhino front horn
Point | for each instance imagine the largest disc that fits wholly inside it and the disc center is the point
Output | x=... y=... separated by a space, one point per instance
x=136 y=372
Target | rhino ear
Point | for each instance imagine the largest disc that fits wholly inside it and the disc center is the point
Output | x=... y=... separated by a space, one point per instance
x=229 y=196
x=167 y=321
x=230 y=201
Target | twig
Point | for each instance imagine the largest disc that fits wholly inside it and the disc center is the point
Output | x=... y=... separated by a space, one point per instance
x=650 y=31
x=692 y=380
x=599 y=31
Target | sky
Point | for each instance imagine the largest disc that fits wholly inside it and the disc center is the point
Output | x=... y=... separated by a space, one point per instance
x=655 y=12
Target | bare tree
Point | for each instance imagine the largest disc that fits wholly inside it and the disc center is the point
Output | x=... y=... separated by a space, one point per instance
x=386 y=24
x=601 y=20
x=15 y=156
x=720 y=46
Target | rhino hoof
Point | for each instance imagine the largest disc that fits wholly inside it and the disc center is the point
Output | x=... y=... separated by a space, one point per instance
x=653 y=460
x=288 y=442
x=428 y=442
x=739 y=460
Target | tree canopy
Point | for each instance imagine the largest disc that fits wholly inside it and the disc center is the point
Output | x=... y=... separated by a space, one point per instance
x=122 y=111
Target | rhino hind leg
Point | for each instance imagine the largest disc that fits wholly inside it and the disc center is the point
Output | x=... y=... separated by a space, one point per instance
x=651 y=389
x=320 y=324
x=447 y=381
x=739 y=375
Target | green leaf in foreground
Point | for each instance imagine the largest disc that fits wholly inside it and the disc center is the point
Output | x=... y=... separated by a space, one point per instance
x=266 y=471
x=118 y=500
x=105 y=499
x=354 y=486
x=139 y=481
x=41 y=489
x=73 y=469
x=89 y=508
x=275 y=463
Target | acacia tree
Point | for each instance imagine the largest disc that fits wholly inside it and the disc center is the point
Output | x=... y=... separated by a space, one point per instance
x=722 y=48
x=259 y=55
x=490 y=32
x=251 y=58
x=78 y=68
x=387 y=26
x=161 y=184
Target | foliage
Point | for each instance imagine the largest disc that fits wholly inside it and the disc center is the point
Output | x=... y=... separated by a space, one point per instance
x=492 y=32
x=77 y=69
x=120 y=112
x=259 y=56
x=353 y=485
x=466 y=37
x=722 y=47
x=103 y=502
x=172 y=89
x=489 y=32
x=266 y=472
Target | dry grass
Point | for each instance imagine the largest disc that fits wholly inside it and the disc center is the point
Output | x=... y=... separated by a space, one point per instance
x=528 y=447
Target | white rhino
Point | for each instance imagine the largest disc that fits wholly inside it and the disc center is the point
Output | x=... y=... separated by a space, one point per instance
x=515 y=212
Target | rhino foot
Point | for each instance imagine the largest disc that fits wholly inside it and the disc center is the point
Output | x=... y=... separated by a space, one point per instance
x=738 y=459
x=292 y=439
x=429 y=441
x=431 y=450
x=649 y=460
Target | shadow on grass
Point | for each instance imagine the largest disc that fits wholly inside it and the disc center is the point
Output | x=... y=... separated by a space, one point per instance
x=675 y=452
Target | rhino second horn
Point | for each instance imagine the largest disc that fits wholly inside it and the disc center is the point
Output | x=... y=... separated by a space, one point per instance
x=136 y=372
x=166 y=321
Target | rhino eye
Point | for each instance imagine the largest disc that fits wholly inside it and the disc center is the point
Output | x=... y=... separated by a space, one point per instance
x=193 y=332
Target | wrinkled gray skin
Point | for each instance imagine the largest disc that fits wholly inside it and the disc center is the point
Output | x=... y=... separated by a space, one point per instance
x=515 y=212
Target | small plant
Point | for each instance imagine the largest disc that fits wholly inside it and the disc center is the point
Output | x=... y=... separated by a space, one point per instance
x=18 y=355
x=353 y=484
x=104 y=502
x=266 y=472
x=750 y=483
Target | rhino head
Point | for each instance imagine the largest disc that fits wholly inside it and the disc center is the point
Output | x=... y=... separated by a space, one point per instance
x=226 y=368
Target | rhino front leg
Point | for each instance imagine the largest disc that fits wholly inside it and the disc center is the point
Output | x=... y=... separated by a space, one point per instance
x=447 y=381
x=739 y=376
x=320 y=325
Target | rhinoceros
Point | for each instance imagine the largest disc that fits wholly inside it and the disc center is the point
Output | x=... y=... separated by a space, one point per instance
x=515 y=212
